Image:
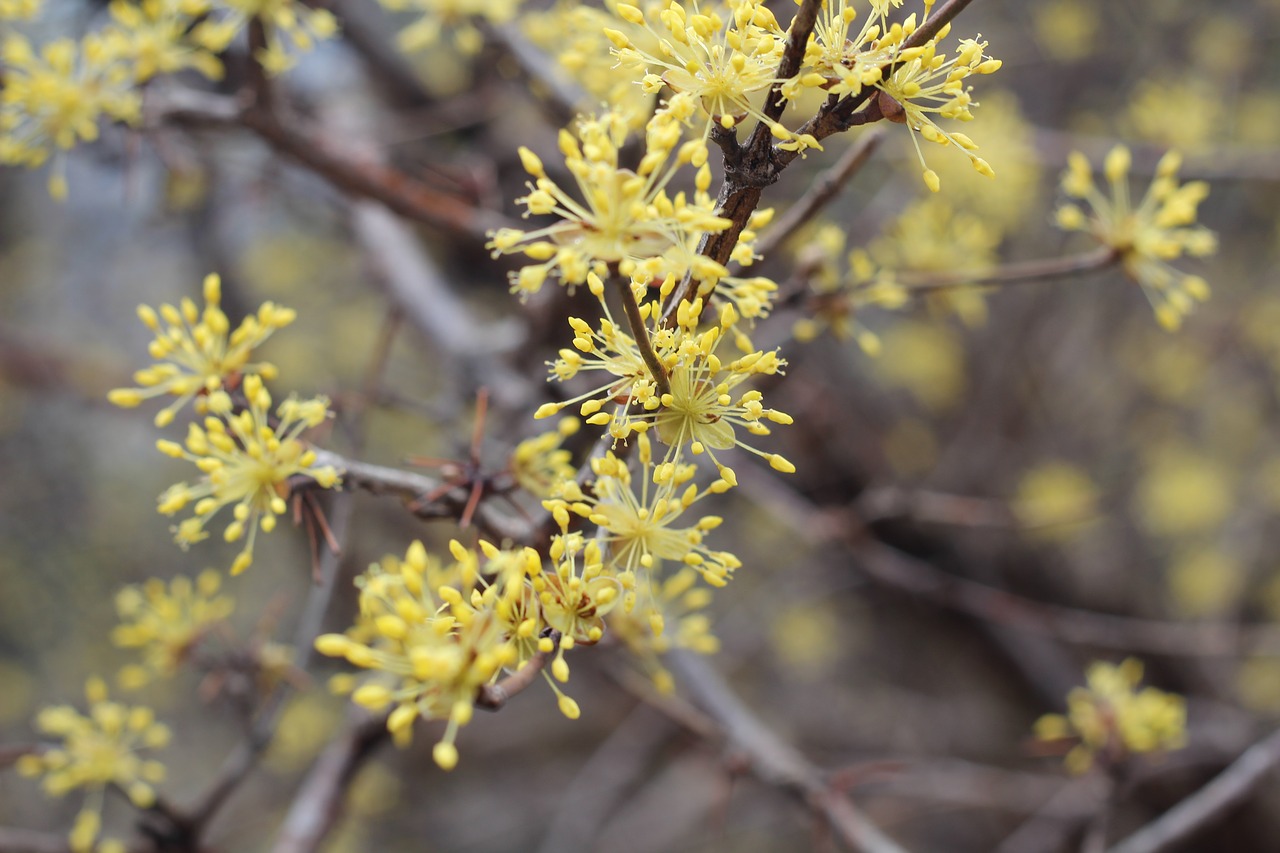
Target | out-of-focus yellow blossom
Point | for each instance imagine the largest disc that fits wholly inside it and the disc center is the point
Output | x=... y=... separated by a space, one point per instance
x=843 y=285
x=539 y=464
x=246 y=464
x=456 y=17
x=151 y=38
x=1066 y=29
x=925 y=358
x=53 y=99
x=1205 y=582
x=640 y=524
x=164 y=622
x=433 y=634
x=573 y=34
x=285 y=23
x=1183 y=492
x=198 y=352
x=672 y=617
x=626 y=219
x=19 y=10
x=98 y=750
x=723 y=55
x=1111 y=720
x=1161 y=228
x=932 y=236
x=1055 y=500
x=1196 y=124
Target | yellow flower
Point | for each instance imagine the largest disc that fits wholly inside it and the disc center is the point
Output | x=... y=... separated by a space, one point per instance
x=1161 y=228
x=1111 y=720
x=246 y=464
x=54 y=99
x=151 y=37
x=18 y=10
x=457 y=16
x=639 y=523
x=283 y=20
x=165 y=622
x=625 y=220
x=198 y=352
x=97 y=750
x=540 y=463
x=433 y=634
x=678 y=602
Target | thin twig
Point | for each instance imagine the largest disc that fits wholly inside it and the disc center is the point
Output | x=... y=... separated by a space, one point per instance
x=774 y=761
x=1023 y=272
x=1227 y=790
x=317 y=805
x=641 y=335
x=494 y=697
x=361 y=178
x=820 y=193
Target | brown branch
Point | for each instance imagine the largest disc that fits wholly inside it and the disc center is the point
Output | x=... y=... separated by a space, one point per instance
x=411 y=487
x=318 y=803
x=774 y=761
x=798 y=34
x=820 y=193
x=494 y=697
x=353 y=175
x=1226 y=791
x=641 y=335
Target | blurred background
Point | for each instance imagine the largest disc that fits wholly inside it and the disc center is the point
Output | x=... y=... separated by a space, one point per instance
x=1048 y=439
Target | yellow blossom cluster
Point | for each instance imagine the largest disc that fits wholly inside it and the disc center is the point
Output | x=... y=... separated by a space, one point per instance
x=55 y=96
x=164 y=622
x=245 y=455
x=1109 y=719
x=915 y=86
x=1148 y=236
x=246 y=463
x=620 y=218
x=433 y=634
x=457 y=17
x=97 y=750
x=198 y=351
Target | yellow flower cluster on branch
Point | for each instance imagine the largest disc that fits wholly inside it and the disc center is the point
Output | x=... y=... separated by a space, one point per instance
x=97 y=750
x=198 y=352
x=246 y=463
x=165 y=621
x=53 y=98
x=1148 y=236
x=433 y=634
x=1110 y=719
x=457 y=17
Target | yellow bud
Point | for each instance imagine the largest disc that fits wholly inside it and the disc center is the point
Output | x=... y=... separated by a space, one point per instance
x=445 y=755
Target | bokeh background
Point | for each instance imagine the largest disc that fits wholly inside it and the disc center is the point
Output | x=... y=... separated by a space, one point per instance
x=1049 y=439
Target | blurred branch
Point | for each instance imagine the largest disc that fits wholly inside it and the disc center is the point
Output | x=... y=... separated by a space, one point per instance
x=774 y=761
x=821 y=192
x=1227 y=790
x=563 y=97
x=360 y=177
x=30 y=841
x=898 y=570
x=1016 y=273
x=418 y=287
x=882 y=502
x=317 y=804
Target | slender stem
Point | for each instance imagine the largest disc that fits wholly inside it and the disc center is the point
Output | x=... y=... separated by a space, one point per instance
x=641 y=334
x=775 y=761
x=1016 y=273
x=1227 y=790
x=492 y=697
